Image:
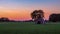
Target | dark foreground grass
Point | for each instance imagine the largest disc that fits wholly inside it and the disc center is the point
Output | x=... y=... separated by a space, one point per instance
x=29 y=28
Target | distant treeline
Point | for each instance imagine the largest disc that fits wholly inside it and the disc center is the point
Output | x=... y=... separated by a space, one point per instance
x=5 y=19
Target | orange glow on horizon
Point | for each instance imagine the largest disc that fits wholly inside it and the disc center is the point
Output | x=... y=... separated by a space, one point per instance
x=21 y=14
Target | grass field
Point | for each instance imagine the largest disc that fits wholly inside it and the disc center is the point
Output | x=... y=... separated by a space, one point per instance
x=29 y=28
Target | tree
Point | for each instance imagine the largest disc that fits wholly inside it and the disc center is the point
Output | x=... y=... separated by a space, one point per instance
x=4 y=19
x=54 y=17
x=37 y=15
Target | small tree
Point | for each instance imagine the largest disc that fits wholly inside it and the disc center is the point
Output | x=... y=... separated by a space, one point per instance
x=4 y=19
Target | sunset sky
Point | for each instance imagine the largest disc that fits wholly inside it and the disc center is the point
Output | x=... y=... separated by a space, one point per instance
x=21 y=9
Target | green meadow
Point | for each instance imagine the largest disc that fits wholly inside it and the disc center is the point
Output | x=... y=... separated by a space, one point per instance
x=29 y=28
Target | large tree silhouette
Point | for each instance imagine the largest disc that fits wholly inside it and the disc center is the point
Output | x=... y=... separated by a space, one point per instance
x=37 y=14
x=54 y=17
